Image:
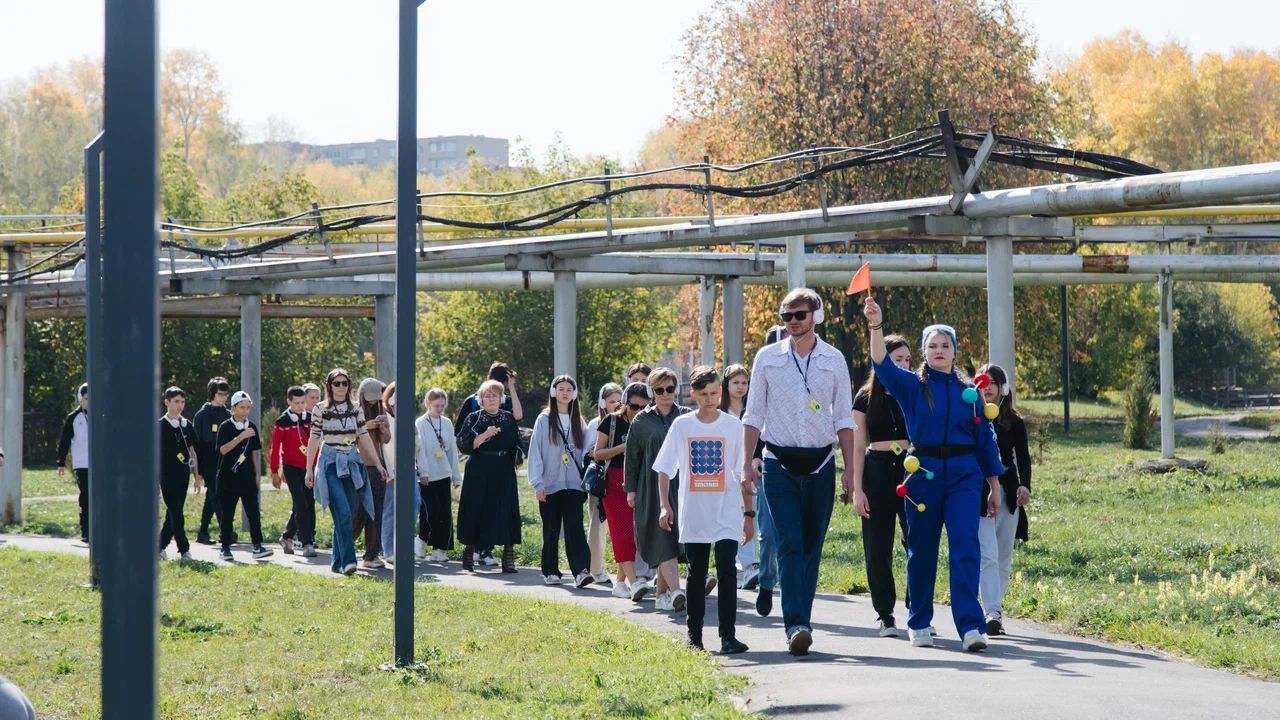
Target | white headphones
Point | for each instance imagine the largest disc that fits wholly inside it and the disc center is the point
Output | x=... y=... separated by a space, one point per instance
x=818 y=315
x=1004 y=390
x=574 y=396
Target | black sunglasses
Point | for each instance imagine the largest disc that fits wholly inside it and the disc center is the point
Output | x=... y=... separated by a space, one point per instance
x=636 y=407
x=341 y=383
x=798 y=315
x=664 y=390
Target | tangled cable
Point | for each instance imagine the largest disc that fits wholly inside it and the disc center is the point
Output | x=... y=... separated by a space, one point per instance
x=923 y=142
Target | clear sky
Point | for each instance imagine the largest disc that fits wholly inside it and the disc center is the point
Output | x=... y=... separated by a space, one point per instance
x=599 y=73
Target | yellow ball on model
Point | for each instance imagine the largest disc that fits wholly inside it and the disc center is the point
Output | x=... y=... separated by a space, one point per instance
x=992 y=411
x=911 y=463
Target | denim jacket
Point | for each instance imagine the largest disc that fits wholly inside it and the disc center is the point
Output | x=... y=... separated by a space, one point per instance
x=346 y=463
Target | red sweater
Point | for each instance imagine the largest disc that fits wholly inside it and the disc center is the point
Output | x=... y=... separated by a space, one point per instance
x=289 y=440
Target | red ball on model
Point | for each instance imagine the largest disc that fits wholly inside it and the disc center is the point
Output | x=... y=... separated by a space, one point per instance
x=901 y=490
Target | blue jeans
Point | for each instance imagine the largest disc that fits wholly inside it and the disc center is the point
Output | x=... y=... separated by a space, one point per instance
x=768 y=540
x=342 y=498
x=951 y=499
x=389 y=518
x=801 y=508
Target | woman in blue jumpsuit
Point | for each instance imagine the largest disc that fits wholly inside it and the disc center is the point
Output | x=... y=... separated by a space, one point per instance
x=955 y=453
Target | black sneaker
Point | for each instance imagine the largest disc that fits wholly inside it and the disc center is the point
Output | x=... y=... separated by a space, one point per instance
x=694 y=640
x=227 y=556
x=995 y=627
x=732 y=646
x=260 y=552
x=764 y=602
x=203 y=538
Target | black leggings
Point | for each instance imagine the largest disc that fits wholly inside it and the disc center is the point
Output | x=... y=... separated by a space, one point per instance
x=82 y=482
x=564 y=509
x=302 y=519
x=435 y=515
x=174 y=492
x=371 y=526
x=699 y=555
x=231 y=490
x=881 y=475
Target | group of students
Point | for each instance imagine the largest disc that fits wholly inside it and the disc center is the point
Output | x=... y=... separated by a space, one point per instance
x=746 y=478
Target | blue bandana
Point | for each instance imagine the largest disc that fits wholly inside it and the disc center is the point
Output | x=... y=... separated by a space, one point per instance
x=945 y=330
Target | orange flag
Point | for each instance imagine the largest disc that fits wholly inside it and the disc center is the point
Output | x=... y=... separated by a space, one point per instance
x=861 y=280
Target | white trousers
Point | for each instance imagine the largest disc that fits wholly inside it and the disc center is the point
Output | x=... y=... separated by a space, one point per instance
x=996 y=538
x=595 y=536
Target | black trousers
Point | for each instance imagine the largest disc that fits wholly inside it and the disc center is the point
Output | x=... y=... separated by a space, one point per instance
x=173 y=490
x=881 y=474
x=371 y=526
x=564 y=508
x=231 y=491
x=699 y=555
x=212 y=501
x=435 y=515
x=82 y=482
x=302 y=518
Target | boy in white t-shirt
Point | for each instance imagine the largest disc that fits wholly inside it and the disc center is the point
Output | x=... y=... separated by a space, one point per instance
x=705 y=448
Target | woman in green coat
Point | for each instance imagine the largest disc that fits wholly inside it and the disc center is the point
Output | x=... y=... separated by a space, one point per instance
x=660 y=548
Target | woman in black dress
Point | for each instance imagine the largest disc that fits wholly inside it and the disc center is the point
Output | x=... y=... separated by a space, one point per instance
x=489 y=509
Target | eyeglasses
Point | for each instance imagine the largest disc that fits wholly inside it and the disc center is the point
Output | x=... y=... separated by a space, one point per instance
x=665 y=390
x=636 y=407
x=341 y=383
x=798 y=315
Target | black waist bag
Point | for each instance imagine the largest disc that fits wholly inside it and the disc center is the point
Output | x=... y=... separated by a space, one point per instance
x=799 y=460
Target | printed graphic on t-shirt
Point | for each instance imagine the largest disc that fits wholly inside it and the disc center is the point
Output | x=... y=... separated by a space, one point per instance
x=706 y=462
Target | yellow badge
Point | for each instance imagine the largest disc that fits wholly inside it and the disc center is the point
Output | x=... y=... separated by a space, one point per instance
x=814 y=405
x=215 y=427
x=302 y=449
x=896 y=448
x=182 y=458
x=564 y=458
x=439 y=453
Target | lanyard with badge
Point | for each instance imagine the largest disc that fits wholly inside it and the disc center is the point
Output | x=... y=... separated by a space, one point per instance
x=181 y=437
x=564 y=454
x=302 y=438
x=439 y=437
x=814 y=404
x=236 y=466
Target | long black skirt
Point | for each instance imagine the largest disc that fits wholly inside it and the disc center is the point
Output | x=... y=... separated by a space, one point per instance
x=489 y=508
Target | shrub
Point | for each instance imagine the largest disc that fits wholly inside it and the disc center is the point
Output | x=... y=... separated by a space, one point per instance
x=1137 y=411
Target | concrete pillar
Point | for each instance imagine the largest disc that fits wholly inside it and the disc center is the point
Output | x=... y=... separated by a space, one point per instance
x=1000 y=328
x=734 y=332
x=251 y=371
x=12 y=363
x=565 y=308
x=795 y=262
x=1166 y=365
x=251 y=353
x=384 y=337
x=707 y=315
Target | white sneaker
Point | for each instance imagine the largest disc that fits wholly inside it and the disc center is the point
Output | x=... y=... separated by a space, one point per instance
x=438 y=555
x=373 y=564
x=749 y=577
x=490 y=560
x=888 y=631
x=921 y=638
x=584 y=579
x=639 y=589
x=621 y=590
x=975 y=640
x=663 y=602
x=309 y=551
x=186 y=556
x=933 y=631
x=164 y=555
x=603 y=579
x=388 y=559
x=349 y=569
x=419 y=549
x=550 y=579
x=678 y=601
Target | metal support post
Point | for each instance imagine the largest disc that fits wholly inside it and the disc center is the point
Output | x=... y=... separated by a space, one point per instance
x=384 y=337
x=1066 y=361
x=707 y=319
x=126 y=481
x=734 y=331
x=1000 y=327
x=93 y=336
x=711 y=202
x=795 y=262
x=565 y=306
x=403 y=365
x=1166 y=365
x=14 y=389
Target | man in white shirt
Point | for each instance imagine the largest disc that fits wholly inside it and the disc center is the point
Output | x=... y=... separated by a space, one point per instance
x=801 y=403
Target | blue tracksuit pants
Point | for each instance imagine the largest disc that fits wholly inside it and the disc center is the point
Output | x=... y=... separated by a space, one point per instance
x=951 y=498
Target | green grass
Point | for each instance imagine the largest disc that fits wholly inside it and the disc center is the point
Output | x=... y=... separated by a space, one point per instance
x=1110 y=406
x=1186 y=562
x=266 y=642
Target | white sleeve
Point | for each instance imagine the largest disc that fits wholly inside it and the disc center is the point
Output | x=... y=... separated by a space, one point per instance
x=536 y=444
x=419 y=427
x=668 y=459
x=451 y=448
